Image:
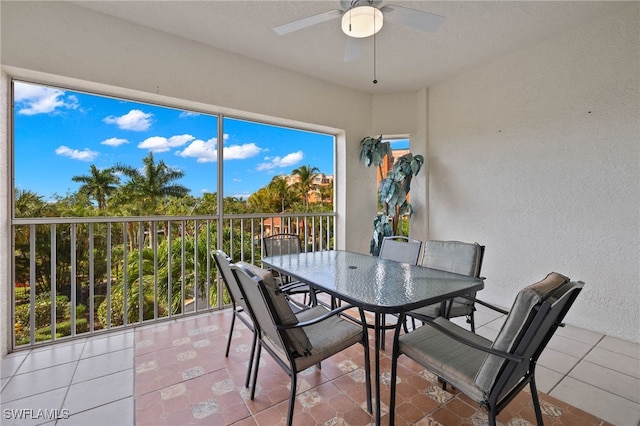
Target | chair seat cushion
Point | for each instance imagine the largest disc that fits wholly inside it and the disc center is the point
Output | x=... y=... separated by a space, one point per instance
x=327 y=337
x=453 y=361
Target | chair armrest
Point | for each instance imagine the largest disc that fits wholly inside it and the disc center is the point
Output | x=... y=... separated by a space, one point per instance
x=511 y=357
x=315 y=320
x=488 y=305
x=291 y=286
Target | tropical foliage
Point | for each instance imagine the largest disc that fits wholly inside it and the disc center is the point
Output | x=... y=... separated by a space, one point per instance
x=393 y=189
x=156 y=268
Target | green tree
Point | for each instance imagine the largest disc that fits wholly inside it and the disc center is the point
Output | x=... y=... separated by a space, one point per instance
x=31 y=204
x=326 y=193
x=306 y=174
x=281 y=191
x=149 y=187
x=98 y=185
x=263 y=201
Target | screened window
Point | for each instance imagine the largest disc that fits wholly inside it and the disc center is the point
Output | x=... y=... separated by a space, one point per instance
x=83 y=154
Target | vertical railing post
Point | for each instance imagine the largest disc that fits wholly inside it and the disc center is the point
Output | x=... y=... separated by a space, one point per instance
x=170 y=269
x=140 y=275
x=91 y=277
x=54 y=259
x=32 y=284
x=155 y=269
x=125 y=274
x=74 y=273
x=183 y=267
x=108 y=296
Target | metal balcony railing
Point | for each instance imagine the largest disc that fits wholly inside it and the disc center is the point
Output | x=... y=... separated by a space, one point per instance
x=75 y=277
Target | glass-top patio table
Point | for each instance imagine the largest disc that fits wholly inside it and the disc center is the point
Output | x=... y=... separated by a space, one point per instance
x=376 y=285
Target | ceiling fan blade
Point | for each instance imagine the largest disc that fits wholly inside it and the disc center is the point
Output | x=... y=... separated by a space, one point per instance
x=308 y=21
x=353 y=48
x=418 y=19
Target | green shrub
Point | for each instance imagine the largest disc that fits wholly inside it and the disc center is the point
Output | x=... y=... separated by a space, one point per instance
x=117 y=309
x=64 y=328
x=42 y=311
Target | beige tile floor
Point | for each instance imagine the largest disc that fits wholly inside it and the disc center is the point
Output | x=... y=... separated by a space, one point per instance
x=92 y=381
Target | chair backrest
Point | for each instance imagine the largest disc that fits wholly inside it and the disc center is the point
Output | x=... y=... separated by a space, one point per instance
x=278 y=244
x=534 y=317
x=269 y=307
x=224 y=266
x=401 y=249
x=453 y=256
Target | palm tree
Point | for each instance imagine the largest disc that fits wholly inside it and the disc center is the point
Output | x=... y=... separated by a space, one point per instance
x=305 y=184
x=151 y=185
x=99 y=185
x=30 y=204
x=281 y=191
x=262 y=201
x=326 y=193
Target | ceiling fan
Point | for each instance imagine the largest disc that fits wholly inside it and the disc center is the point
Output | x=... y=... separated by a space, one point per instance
x=364 y=18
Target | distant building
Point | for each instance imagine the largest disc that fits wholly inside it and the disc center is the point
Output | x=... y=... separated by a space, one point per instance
x=388 y=163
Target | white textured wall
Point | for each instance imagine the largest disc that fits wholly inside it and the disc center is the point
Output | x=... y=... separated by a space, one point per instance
x=537 y=156
x=407 y=114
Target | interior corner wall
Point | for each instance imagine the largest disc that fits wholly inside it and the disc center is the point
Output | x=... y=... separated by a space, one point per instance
x=407 y=114
x=60 y=42
x=536 y=156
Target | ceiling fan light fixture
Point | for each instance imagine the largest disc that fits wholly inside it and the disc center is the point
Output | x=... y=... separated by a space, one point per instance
x=362 y=21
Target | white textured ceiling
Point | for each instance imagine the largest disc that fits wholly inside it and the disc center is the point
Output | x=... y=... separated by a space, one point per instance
x=474 y=33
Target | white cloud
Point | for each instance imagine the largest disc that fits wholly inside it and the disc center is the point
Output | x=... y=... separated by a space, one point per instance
x=162 y=144
x=286 y=161
x=84 y=155
x=203 y=151
x=185 y=114
x=114 y=141
x=32 y=99
x=207 y=151
x=133 y=120
x=240 y=152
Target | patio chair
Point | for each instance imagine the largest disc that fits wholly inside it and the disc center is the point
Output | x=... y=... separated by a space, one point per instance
x=279 y=244
x=400 y=249
x=491 y=373
x=296 y=341
x=457 y=257
x=238 y=305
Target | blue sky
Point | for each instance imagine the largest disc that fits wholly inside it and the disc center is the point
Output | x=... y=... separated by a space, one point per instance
x=58 y=134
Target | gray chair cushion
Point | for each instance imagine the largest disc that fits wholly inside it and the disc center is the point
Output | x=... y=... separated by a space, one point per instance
x=457 y=257
x=327 y=337
x=522 y=307
x=446 y=357
x=452 y=256
x=400 y=249
x=297 y=338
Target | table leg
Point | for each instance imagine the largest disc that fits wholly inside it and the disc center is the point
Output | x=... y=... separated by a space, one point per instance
x=377 y=330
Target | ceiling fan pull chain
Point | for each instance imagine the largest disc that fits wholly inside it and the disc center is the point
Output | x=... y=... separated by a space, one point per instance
x=375 y=80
